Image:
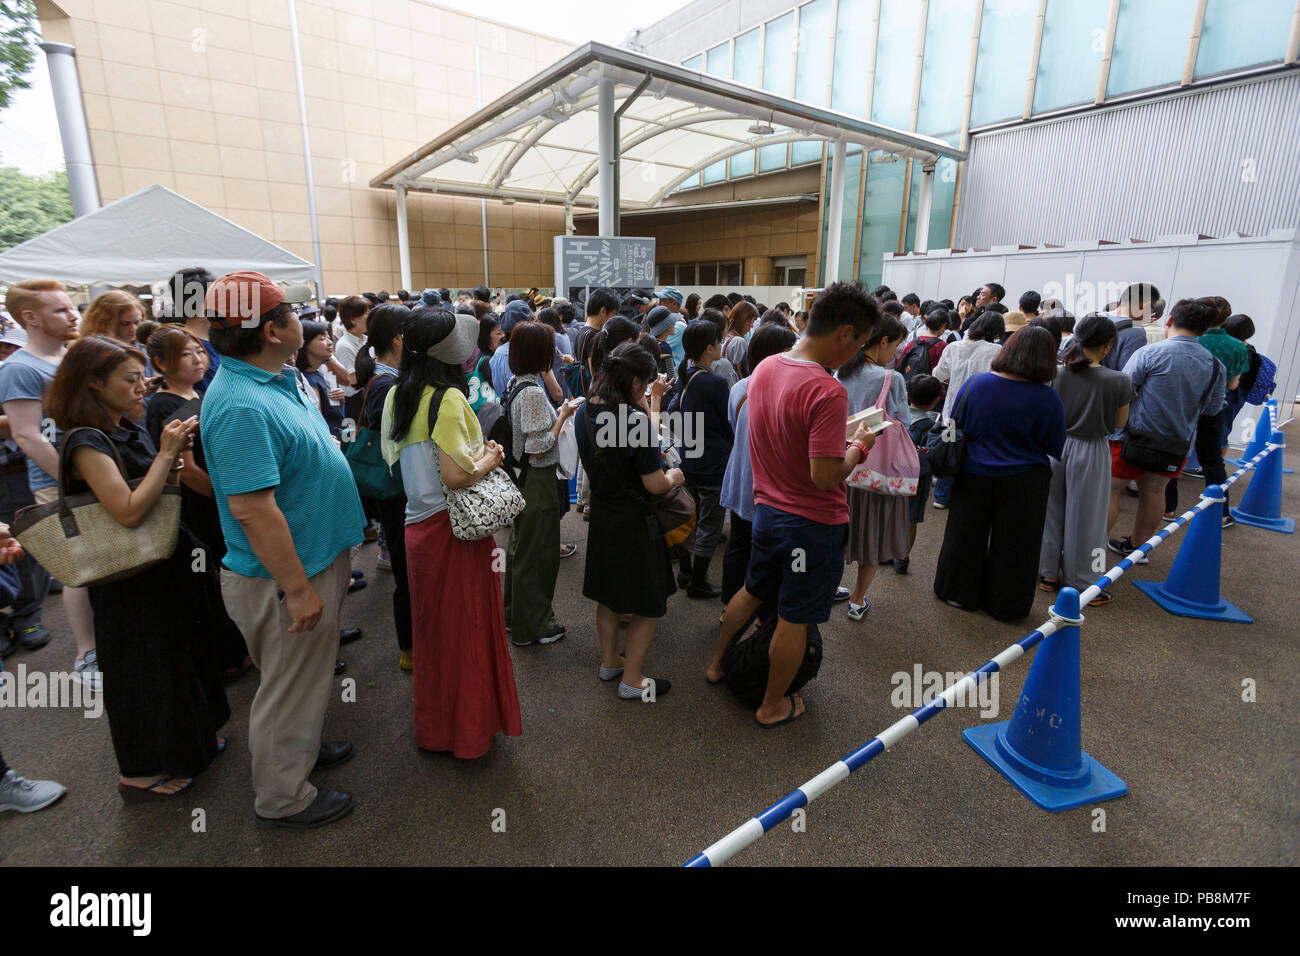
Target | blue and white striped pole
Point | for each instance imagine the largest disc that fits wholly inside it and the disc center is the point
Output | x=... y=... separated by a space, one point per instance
x=750 y=831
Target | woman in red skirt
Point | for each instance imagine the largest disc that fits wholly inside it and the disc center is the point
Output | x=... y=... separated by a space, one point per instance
x=464 y=681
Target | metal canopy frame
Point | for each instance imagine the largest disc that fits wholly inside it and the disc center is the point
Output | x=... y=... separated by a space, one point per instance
x=672 y=123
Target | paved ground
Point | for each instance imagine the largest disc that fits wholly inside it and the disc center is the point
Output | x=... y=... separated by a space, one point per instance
x=595 y=780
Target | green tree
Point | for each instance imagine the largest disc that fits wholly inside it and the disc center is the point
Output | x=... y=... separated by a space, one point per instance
x=18 y=37
x=31 y=205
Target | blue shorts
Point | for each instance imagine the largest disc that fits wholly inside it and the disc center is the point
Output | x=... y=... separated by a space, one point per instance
x=795 y=564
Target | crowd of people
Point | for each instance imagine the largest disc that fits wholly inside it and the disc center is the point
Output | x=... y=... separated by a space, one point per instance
x=691 y=420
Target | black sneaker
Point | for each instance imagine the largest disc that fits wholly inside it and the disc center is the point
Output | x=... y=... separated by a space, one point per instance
x=38 y=635
x=1124 y=547
x=1229 y=520
x=901 y=565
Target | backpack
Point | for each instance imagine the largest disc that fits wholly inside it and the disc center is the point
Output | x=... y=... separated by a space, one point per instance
x=920 y=431
x=745 y=661
x=503 y=433
x=916 y=359
x=1261 y=379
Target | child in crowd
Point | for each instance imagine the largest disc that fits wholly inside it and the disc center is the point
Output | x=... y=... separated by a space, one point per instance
x=924 y=393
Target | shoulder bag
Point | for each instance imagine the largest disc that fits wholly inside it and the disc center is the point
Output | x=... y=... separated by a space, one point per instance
x=483 y=508
x=374 y=478
x=945 y=446
x=82 y=545
x=891 y=466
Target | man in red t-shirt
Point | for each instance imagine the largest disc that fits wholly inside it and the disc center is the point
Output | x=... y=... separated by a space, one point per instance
x=797 y=412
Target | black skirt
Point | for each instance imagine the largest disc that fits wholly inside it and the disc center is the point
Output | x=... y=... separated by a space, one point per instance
x=628 y=569
x=156 y=636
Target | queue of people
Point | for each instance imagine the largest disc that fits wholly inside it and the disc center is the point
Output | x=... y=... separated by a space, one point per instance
x=687 y=419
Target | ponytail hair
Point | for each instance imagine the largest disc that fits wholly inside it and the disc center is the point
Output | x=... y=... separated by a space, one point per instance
x=1092 y=332
x=614 y=333
x=614 y=381
x=386 y=323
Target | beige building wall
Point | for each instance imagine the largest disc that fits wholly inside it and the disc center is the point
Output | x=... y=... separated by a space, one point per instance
x=200 y=96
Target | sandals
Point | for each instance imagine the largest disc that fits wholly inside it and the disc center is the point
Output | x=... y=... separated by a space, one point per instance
x=793 y=715
x=132 y=794
x=1047 y=584
x=568 y=550
x=1105 y=597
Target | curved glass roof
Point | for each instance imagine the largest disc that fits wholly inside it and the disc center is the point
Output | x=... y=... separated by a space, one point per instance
x=538 y=143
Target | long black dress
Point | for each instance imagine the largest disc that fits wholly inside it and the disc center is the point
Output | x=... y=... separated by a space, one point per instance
x=199 y=514
x=155 y=633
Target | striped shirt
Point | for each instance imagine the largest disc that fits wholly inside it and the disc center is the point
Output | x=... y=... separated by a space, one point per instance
x=264 y=431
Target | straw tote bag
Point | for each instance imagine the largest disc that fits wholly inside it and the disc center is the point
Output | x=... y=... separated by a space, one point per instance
x=891 y=466
x=81 y=544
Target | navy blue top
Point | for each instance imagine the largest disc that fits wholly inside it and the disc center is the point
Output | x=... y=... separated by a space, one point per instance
x=704 y=400
x=333 y=415
x=1009 y=426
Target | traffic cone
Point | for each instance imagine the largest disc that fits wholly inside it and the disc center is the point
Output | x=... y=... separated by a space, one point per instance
x=1040 y=749
x=1263 y=432
x=1192 y=589
x=1261 y=505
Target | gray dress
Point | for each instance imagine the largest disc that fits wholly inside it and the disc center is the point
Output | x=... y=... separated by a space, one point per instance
x=878 y=529
x=1074 y=533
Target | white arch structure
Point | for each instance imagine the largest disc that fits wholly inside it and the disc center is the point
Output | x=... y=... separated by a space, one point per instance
x=610 y=129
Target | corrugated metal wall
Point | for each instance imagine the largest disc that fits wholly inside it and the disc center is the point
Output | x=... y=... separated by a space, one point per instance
x=1218 y=162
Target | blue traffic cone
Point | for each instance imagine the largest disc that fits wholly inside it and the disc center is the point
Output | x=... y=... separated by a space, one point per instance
x=1271 y=407
x=1192 y=589
x=1040 y=749
x=1263 y=432
x=1261 y=505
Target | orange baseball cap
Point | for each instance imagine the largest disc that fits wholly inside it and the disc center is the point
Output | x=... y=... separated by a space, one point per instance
x=244 y=298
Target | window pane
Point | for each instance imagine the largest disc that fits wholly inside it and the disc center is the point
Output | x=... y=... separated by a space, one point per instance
x=742 y=164
x=778 y=275
x=1006 y=45
x=848 y=225
x=944 y=69
x=891 y=97
x=945 y=185
x=686 y=274
x=708 y=273
x=880 y=211
x=796 y=277
x=771 y=157
x=718 y=61
x=814 y=47
x=714 y=173
x=778 y=52
x=695 y=63
x=1151 y=40
x=1069 y=60
x=667 y=274
x=1242 y=33
x=805 y=152
x=852 y=36
x=745 y=68
x=729 y=273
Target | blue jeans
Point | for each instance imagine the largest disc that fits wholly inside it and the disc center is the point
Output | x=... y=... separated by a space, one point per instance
x=943 y=490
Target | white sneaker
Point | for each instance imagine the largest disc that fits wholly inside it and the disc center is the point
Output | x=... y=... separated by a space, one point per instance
x=27 y=796
x=86 y=670
x=858 y=611
x=940 y=506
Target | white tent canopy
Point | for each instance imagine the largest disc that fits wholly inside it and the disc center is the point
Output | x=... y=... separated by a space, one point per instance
x=145 y=238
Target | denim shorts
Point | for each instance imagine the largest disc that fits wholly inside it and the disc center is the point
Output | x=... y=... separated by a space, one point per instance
x=795 y=564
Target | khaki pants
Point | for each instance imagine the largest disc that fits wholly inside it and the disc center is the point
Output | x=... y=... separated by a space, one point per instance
x=284 y=724
x=45 y=496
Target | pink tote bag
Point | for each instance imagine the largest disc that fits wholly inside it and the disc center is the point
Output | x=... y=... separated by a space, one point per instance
x=892 y=466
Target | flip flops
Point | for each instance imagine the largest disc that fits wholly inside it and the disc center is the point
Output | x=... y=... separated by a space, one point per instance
x=1046 y=584
x=142 y=794
x=793 y=715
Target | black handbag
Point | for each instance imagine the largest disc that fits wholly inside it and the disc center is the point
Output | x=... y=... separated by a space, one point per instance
x=745 y=661
x=945 y=447
x=1158 y=453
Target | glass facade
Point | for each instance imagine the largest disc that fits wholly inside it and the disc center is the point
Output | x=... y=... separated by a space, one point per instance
x=837 y=53
x=1136 y=63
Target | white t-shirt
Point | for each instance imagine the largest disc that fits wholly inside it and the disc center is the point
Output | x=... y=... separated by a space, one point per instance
x=345 y=353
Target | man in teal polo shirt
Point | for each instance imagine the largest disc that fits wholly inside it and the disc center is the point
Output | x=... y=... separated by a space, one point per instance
x=290 y=513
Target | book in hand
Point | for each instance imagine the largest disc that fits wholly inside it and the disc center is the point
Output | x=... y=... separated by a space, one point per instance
x=873 y=418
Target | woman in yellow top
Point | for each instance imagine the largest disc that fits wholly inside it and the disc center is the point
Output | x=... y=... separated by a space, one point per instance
x=464 y=683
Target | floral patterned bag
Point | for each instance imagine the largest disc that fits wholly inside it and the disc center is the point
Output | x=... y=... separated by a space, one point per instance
x=891 y=466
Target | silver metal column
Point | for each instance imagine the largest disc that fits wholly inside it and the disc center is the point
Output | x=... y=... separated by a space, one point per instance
x=835 y=214
x=306 y=153
x=403 y=238
x=61 y=59
x=607 y=160
x=922 y=243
